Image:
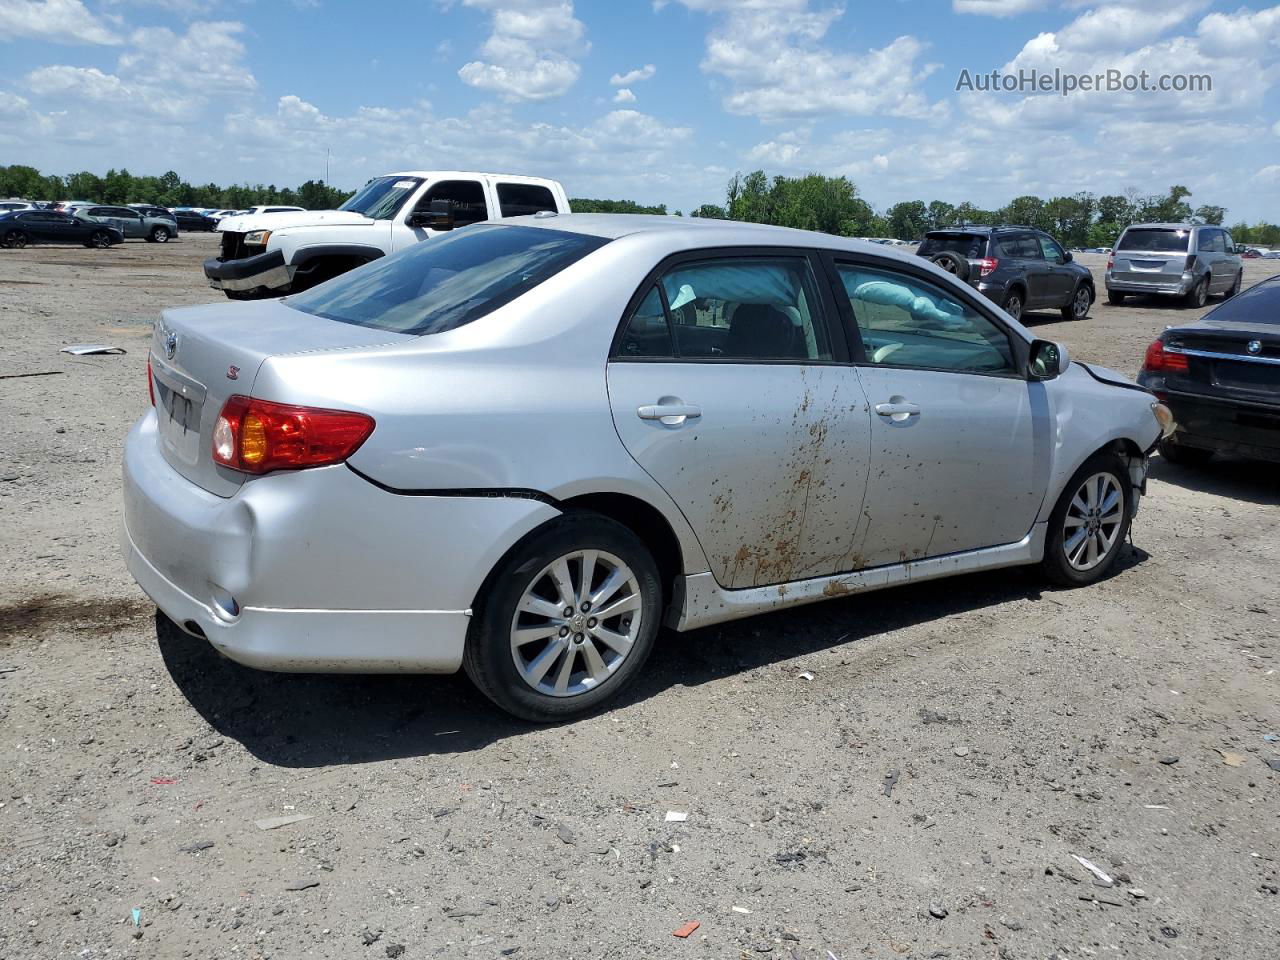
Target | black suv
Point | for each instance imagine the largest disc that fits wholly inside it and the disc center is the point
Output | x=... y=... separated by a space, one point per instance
x=1020 y=268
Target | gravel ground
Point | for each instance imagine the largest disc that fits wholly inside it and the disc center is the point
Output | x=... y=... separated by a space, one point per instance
x=923 y=794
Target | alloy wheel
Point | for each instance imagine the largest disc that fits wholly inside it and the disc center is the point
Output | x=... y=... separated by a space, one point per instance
x=1081 y=305
x=1013 y=307
x=1202 y=293
x=1093 y=521
x=101 y=240
x=576 y=623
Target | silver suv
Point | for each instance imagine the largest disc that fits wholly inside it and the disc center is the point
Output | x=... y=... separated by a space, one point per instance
x=131 y=222
x=1186 y=260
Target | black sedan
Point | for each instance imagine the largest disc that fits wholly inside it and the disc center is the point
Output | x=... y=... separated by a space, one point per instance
x=192 y=220
x=21 y=227
x=1221 y=377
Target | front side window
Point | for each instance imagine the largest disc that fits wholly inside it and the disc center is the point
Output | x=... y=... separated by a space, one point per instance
x=447 y=282
x=465 y=197
x=380 y=198
x=1051 y=250
x=734 y=309
x=522 y=199
x=904 y=322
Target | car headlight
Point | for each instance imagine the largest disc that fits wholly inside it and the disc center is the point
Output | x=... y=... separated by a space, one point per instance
x=1164 y=417
x=257 y=238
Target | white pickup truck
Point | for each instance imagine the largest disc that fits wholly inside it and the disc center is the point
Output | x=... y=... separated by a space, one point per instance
x=272 y=254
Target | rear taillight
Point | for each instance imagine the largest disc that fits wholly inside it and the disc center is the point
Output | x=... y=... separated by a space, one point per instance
x=151 y=383
x=1160 y=360
x=257 y=436
x=1111 y=261
x=989 y=265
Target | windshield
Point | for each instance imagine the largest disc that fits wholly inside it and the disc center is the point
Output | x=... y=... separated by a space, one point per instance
x=380 y=199
x=1163 y=240
x=972 y=246
x=443 y=283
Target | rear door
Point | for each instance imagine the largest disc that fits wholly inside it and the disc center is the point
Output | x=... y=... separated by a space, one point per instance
x=957 y=461
x=1061 y=279
x=1033 y=268
x=728 y=387
x=1212 y=248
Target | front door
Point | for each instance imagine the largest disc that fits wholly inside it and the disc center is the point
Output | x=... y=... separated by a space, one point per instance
x=467 y=205
x=727 y=387
x=959 y=455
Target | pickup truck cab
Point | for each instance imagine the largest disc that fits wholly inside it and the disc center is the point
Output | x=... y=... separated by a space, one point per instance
x=271 y=255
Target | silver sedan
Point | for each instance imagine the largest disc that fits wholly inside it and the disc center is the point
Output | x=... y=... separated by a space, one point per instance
x=521 y=448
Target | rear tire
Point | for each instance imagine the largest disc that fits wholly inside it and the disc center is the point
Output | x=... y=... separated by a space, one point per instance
x=1077 y=308
x=571 y=663
x=1013 y=303
x=1198 y=295
x=1115 y=298
x=1184 y=456
x=15 y=240
x=1235 y=287
x=1088 y=526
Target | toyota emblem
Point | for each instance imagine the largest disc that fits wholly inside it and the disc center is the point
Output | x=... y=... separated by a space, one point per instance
x=170 y=345
x=1254 y=347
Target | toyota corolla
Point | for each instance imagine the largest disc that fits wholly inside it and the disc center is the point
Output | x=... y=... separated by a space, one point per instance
x=523 y=447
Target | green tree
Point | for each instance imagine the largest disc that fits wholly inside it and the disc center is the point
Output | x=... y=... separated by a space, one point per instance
x=583 y=205
x=908 y=220
x=711 y=211
x=940 y=214
x=1210 y=214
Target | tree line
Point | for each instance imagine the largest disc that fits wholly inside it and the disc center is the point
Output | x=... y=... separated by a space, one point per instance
x=811 y=202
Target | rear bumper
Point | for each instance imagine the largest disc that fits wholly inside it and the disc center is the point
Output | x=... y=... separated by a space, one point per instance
x=1250 y=430
x=1157 y=284
x=265 y=270
x=315 y=570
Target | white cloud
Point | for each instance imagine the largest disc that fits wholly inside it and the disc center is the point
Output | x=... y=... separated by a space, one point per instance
x=60 y=21
x=633 y=76
x=529 y=52
x=996 y=8
x=1268 y=174
x=1119 y=26
x=770 y=52
x=624 y=96
x=1243 y=33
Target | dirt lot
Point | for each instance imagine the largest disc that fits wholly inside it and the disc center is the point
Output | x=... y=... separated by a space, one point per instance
x=957 y=743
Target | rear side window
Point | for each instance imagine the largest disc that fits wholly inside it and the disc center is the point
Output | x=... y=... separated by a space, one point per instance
x=447 y=281
x=1174 y=241
x=731 y=309
x=521 y=199
x=972 y=246
x=1211 y=241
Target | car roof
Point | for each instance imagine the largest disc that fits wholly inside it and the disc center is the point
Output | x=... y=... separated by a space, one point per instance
x=709 y=232
x=1169 y=226
x=513 y=177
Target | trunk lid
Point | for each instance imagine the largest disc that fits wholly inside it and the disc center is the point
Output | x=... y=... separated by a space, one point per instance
x=202 y=355
x=1240 y=360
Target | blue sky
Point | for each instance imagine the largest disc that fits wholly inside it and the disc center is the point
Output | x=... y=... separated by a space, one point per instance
x=652 y=101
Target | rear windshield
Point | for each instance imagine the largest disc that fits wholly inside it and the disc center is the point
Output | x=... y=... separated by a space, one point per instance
x=445 y=282
x=972 y=246
x=1259 y=304
x=1161 y=240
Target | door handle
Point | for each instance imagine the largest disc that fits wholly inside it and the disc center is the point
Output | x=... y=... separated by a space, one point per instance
x=670 y=412
x=898 y=409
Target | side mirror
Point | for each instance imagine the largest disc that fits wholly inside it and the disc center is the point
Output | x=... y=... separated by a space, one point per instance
x=1047 y=361
x=1067 y=257
x=438 y=217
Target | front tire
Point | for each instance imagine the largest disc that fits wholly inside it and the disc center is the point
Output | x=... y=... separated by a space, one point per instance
x=566 y=621
x=1184 y=456
x=160 y=235
x=100 y=239
x=1077 y=308
x=1088 y=526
